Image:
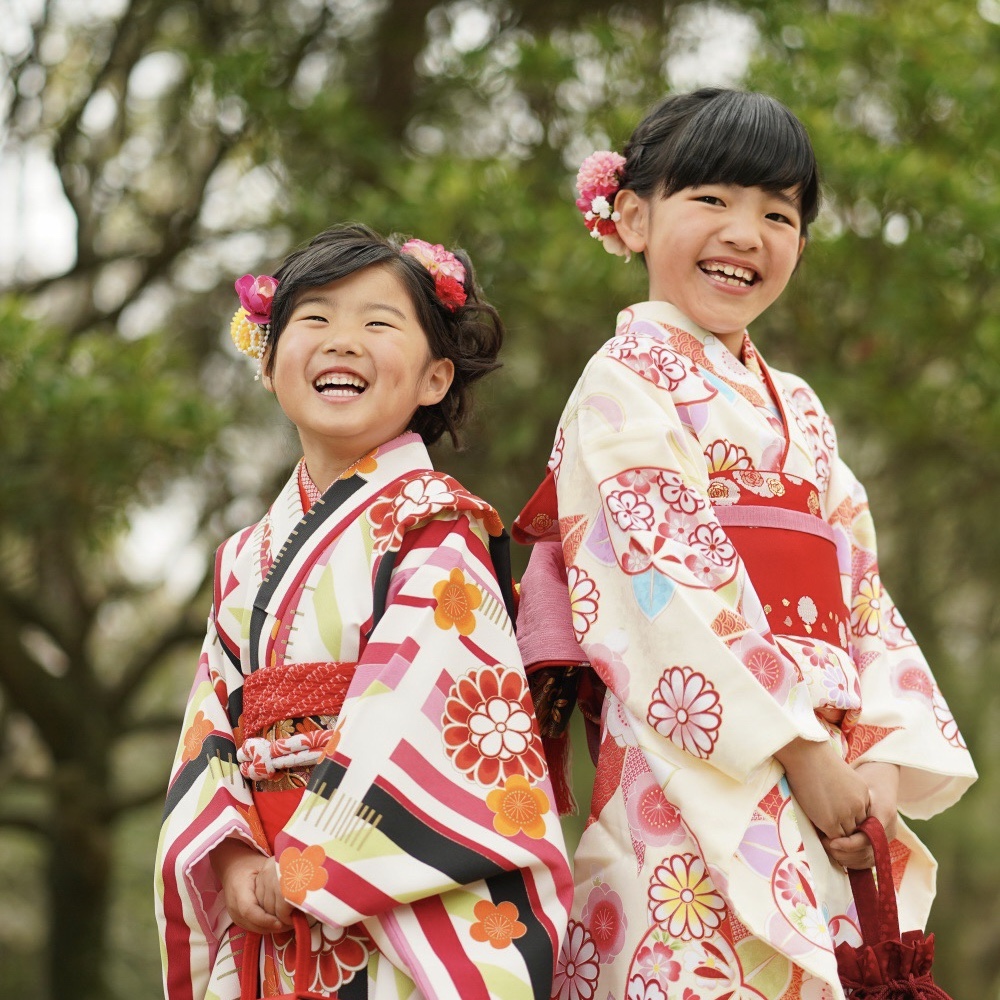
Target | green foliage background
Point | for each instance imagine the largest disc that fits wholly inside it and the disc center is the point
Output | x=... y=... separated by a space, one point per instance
x=196 y=141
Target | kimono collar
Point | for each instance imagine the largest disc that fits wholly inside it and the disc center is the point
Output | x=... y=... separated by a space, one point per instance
x=669 y=315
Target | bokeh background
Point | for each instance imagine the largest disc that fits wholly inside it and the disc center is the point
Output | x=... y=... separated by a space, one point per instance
x=153 y=150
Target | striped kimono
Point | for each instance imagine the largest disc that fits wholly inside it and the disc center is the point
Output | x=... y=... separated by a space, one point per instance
x=722 y=581
x=360 y=651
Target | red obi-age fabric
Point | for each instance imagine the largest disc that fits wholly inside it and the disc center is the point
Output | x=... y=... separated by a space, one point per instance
x=787 y=549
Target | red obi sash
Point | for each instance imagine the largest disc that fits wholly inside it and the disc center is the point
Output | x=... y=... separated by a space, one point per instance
x=293 y=690
x=787 y=549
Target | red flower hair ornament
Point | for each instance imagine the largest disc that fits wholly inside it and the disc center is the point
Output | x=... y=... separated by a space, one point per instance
x=597 y=182
x=445 y=268
x=251 y=324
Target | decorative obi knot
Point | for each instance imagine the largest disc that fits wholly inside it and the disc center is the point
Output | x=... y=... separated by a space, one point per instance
x=788 y=550
x=295 y=690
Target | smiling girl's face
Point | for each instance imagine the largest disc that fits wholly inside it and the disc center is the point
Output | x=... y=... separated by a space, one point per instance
x=351 y=368
x=721 y=253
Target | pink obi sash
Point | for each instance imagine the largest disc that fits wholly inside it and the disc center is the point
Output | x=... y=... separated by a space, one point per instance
x=292 y=691
x=787 y=550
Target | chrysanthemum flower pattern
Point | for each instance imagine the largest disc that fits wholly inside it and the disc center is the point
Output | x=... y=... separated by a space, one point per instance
x=682 y=898
x=488 y=727
x=578 y=965
x=686 y=709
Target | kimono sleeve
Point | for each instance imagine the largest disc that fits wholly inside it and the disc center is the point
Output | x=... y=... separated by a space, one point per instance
x=904 y=718
x=661 y=602
x=207 y=801
x=430 y=819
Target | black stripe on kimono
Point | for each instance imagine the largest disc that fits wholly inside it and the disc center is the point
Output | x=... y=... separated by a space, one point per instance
x=215 y=747
x=460 y=864
x=312 y=521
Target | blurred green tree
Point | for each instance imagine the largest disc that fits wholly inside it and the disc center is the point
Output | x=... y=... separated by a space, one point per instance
x=196 y=141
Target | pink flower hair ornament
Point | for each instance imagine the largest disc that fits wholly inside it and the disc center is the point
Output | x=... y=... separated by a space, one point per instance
x=251 y=324
x=597 y=182
x=445 y=268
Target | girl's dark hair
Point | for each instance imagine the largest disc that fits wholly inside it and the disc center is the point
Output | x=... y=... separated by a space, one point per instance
x=470 y=337
x=715 y=136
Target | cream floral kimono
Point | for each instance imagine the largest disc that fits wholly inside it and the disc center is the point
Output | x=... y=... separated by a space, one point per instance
x=697 y=877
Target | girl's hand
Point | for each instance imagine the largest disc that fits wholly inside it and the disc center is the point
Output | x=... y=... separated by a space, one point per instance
x=830 y=792
x=237 y=865
x=856 y=851
x=269 y=895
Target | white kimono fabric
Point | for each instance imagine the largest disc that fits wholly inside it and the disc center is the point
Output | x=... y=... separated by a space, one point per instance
x=697 y=877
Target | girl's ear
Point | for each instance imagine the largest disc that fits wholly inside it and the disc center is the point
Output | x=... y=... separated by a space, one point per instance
x=437 y=381
x=634 y=212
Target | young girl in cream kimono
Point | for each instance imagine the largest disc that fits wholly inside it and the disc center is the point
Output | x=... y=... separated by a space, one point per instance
x=753 y=690
x=359 y=805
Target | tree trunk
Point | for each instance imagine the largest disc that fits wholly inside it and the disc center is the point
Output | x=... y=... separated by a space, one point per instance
x=79 y=877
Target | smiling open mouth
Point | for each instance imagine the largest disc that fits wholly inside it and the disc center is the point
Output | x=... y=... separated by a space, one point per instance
x=340 y=384
x=730 y=274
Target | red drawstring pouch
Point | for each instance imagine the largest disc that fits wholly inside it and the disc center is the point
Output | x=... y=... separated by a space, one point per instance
x=887 y=965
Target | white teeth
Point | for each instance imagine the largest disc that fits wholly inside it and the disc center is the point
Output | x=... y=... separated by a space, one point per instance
x=730 y=274
x=340 y=383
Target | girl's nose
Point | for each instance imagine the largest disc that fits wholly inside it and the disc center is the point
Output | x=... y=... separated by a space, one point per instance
x=342 y=340
x=742 y=232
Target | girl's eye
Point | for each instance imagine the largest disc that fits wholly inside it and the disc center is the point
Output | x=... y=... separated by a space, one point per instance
x=779 y=217
x=710 y=199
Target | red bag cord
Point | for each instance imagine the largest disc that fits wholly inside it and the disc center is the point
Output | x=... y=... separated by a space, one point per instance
x=250 y=964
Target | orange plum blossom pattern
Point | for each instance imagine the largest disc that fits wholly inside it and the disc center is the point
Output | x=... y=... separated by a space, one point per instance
x=199 y=730
x=519 y=808
x=301 y=872
x=496 y=923
x=456 y=602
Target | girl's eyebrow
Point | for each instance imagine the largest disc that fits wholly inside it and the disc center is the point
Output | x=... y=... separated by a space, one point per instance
x=384 y=306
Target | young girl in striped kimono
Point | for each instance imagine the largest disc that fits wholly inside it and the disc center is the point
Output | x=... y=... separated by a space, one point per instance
x=359 y=804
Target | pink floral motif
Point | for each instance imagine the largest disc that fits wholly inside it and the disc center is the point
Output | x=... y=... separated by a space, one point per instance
x=656 y=961
x=682 y=898
x=630 y=511
x=724 y=455
x=766 y=666
x=607 y=660
x=488 y=727
x=604 y=916
x=678 y=495
x=791 y=886
x=583 y=598
x=638 y=480
x=687 y=711
x=714 y=544
x=645 y=989
x=256 y=296
x=597 y=183
x=655 y=819
x=702 y=570
x=445 y=268
x=577 y=967
x=621 y=346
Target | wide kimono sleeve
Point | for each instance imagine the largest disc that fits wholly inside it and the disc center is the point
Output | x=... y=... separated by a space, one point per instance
x=904 y=718
x=430 y=818
x=207 y=801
